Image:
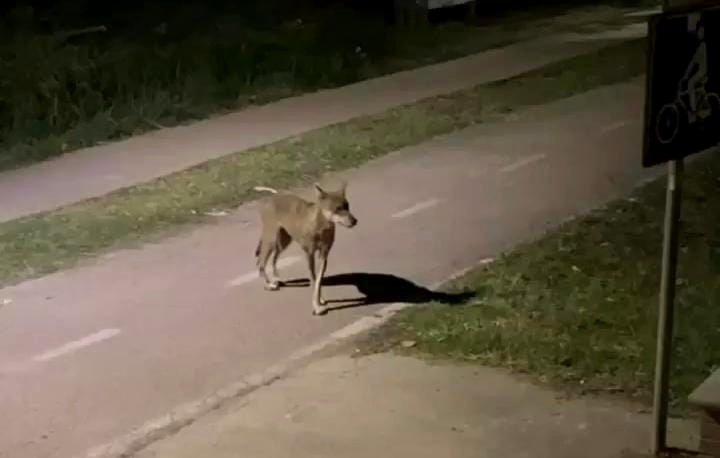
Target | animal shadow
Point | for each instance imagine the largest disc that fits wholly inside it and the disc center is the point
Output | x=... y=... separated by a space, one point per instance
x=377 y=288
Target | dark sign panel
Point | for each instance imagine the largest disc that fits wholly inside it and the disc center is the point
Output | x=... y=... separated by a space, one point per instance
x=682 y=106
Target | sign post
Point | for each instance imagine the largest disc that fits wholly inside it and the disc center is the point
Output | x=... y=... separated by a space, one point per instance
x=666 y=312
x=682 y=117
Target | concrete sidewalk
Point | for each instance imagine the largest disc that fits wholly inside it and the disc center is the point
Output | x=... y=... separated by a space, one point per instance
x=392 y=406
x=95 y=171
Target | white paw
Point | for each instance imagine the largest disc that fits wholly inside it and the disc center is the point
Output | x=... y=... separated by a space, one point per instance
x=319 y=310
x=272 y=286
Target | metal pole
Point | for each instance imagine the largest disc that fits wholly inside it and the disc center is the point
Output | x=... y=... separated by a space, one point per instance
x=666 y=310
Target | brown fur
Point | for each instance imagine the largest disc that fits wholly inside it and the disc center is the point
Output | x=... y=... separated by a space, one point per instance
x=286 y=218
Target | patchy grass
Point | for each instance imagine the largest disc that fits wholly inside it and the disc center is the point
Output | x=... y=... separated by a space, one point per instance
x=50 y=241
x=577 y=308
x=58 y=94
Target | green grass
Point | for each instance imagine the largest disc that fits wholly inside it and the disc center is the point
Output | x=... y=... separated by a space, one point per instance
x=43 y=243
x=577 y=308
x=57 y=94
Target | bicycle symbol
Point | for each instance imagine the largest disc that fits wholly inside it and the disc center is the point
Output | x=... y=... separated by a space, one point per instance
x=677 y=114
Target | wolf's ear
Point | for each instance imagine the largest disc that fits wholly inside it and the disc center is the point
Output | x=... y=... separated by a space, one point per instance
x=343 y=187
x=319 y=191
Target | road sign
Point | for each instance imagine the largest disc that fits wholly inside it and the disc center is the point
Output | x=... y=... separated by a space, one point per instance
x=682 y=105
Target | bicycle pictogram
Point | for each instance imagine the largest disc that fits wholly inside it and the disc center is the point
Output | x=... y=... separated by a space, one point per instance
x=678 y=114
x=693 y=104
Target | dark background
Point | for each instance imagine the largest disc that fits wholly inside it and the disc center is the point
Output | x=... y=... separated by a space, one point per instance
x=164 y=62
x=136 y=14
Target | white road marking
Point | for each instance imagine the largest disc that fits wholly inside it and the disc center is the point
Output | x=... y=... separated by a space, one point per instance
x=252 y=276
x=416 y=208
x=614 y=126
x=643 y=13
x=522 y=163
x=217 y=213
x=76 y=345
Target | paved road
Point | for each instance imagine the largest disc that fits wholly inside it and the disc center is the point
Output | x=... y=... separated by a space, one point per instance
x=90 y=353
x=96 y=171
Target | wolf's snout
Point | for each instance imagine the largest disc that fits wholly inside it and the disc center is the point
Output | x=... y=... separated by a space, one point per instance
x=350 y=221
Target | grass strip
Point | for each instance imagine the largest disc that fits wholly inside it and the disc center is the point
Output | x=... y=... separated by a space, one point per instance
x=43 y=243
x=578 y=307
